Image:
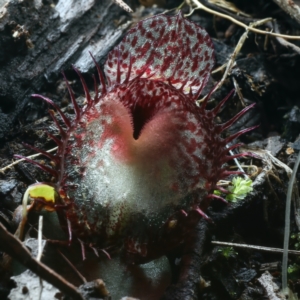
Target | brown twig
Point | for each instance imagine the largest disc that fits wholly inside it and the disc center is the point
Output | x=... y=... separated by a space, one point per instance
x=254 y=247
x=13 y=247
x=199 y=5
x=285 y=43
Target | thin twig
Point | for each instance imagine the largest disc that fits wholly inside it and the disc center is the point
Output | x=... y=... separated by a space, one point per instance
x=238 y=91
x=285 y=43
x=83 y=279
x=13 y=247
x=237 y=50
x=261 y=248
x=230 y=64
x=22 y=159
x=199 y=5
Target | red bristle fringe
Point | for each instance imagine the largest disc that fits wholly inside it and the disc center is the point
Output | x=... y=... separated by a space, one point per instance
x=63 y=116
x=44 y=168
x=73 y=99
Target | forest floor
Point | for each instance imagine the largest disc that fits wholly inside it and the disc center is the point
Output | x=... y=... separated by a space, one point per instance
x=38 y=42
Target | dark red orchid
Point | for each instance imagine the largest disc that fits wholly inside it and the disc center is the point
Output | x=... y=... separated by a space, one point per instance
x=138 y=164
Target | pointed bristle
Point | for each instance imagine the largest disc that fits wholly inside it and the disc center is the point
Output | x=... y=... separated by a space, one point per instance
x=207 y=97
x=44 y=168
x=230 y=157
x=129 y=69
x=221 y=189
x=202 y=214
x=143 y=70
x=82 y=249
x=226 y=125
x=55 y=139
x=183 y=212
x=218 y=198
x=106 y=253
x=232 y=147
x=95 y=250
x=96 y=91
x=118 y=79
x=69 y=232
x=198 y=93
x=100 y=75
x=216 y=110
x=181 y=89
x=226 y=173
x=84 y=85
x=61 y=131
x=63 y=116
x=52 y=157
x=239 y=133
x=72 y=96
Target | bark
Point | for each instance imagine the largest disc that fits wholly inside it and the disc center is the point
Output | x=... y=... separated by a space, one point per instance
x=38 y=40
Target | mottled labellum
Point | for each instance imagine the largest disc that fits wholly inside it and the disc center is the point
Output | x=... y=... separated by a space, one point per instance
x=137 y=165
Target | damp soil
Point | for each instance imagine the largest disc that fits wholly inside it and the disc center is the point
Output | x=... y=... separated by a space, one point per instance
x=40 y=39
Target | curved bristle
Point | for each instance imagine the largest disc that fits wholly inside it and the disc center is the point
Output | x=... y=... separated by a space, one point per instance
x=84 y=85
x=55 y=139
x=218 y=198
x=69 y=231
x=100 y=75
x=226 y=173
x=232 y=147
x=95 y=250
x=106 y=253
x=202 y=214
x=183 y=212
x=198 y=93
x=118 y=78
x=129 y=69
x=96 y=91
x=221 y=189
x=239 y=133
x=63 y=116
x=230 y=157
x=61 y=131
x=72 y=96
x=82 y=249
x=207 y=97
x=226 y=125
x=44 y=168
x=216 y=110
x=143 y=70
x=181 y=89
x=52 y=157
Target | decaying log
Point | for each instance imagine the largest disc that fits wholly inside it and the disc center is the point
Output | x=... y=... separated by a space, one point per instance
x=40 y=39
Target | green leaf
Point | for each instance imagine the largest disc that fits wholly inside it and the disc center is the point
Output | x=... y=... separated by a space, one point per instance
x=216 y=192
x=239 y=189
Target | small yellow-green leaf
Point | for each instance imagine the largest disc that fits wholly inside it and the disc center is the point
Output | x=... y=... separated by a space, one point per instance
x=239 y=189
x=216 y=192
x=41 y=190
